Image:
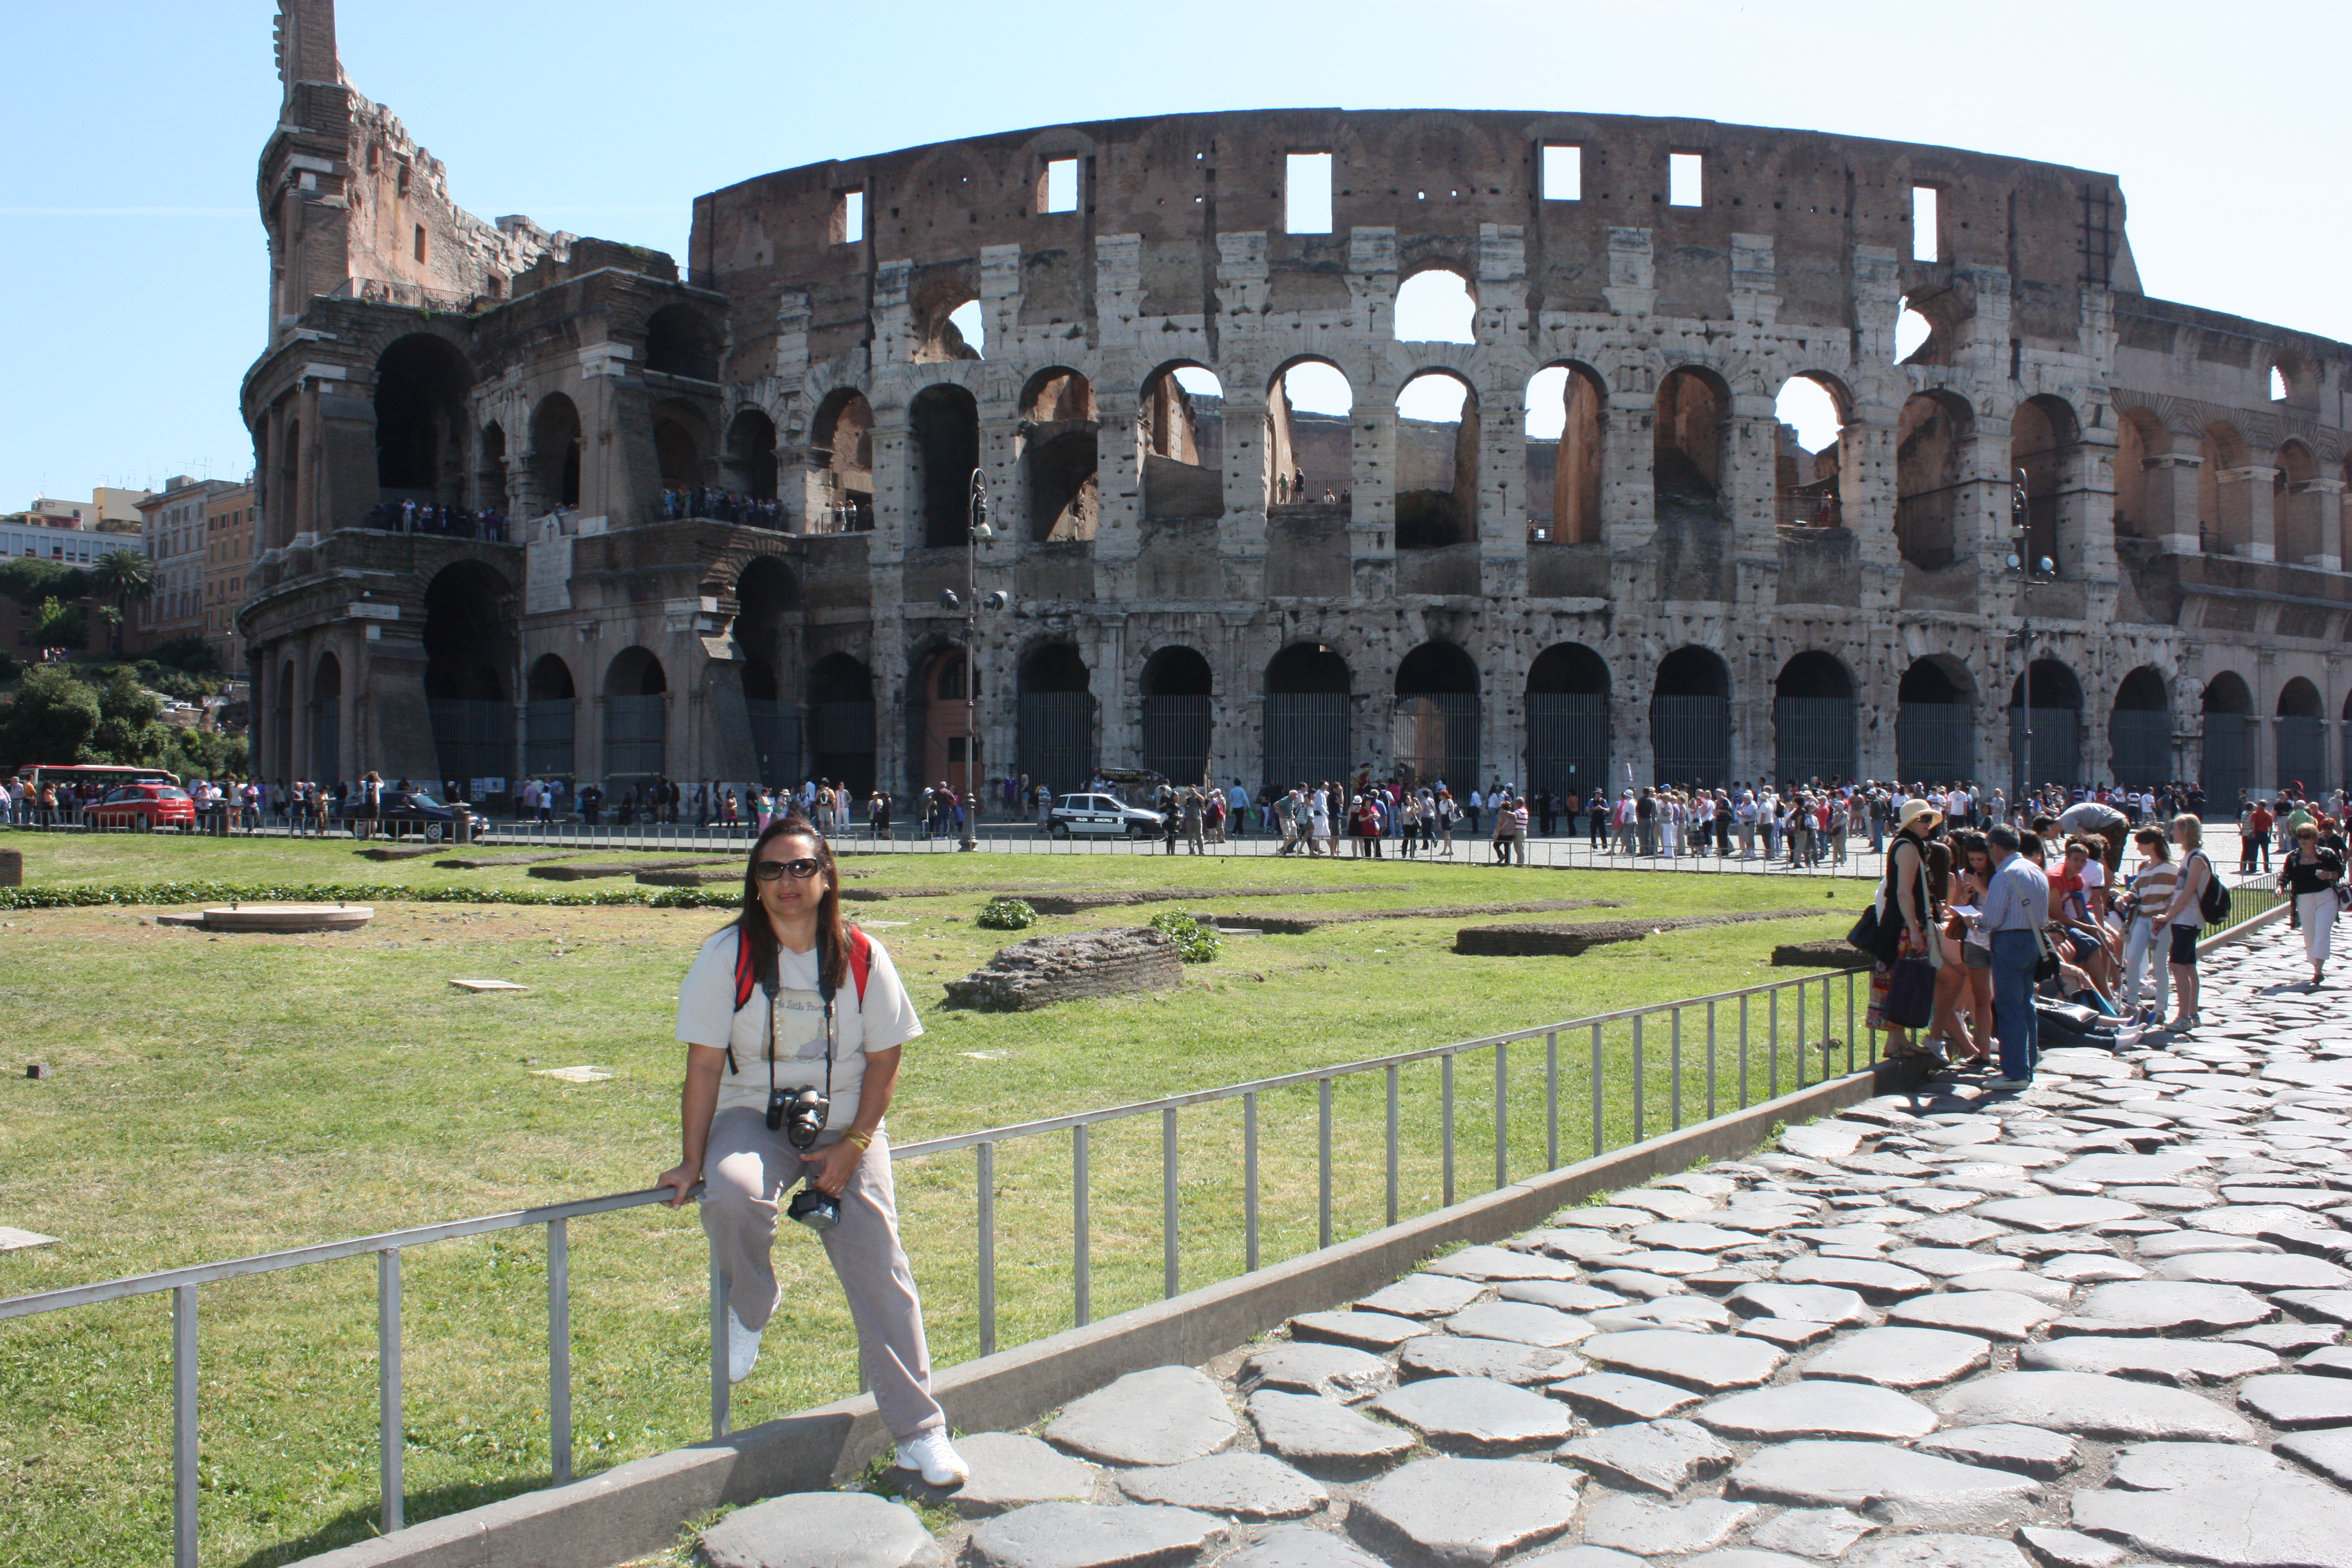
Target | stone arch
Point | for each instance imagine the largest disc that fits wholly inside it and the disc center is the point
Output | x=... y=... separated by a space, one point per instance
x=1808 y=485
x=841 y=722
x=1308 y=707
x=940 y=707
x=1567 y=417
x=1180 y=436
x=2043 y=436
x=555 y=451
x=2302 y=733
x=1690 y=719
x=2225 y=522
x=1318 y=443
x=471 y=639
x=2228 y=748
x=637 y=720
x=2046 y=702
x=1440 y=295
x=940 y=309
x=1178 y=694
x=1693 y=408
x=681 y=444
x=944 y=442
x=1436 y=464
x=2139 y=730
x=421 y=383
x=751 y=462
x=682 y=341
x=1054 y=712
x=1059 y=456
x=490 y=472
x=1568 y=721
x=1814 y=719
x=282 y=722
x=1932 y=436
x=551 y=715
x=2140 y=437
x=1433 y=729
x=1935 y=723
x=841 y=463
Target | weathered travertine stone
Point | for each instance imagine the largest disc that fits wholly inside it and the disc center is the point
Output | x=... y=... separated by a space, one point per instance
x=2174 y=1244
x=1893 y=1485
x=2256 y=1271
x=1245 y=1485
x=1362 y=1331
x=1661 y=1457
x=1688 y=1236
x=1953 y=1230
x=1010 y=1470
x=1951 y=1262
x=1881 y=1282
x=2079 y=1268
x=2058 y=1213
x=2166 y=1307
x=2167 y=1466
x=1811 y=1303
x=1425 y=1296
x=1937 y=1551
x=1607 y=1397
x=1451 y=1355
x=2294 y=1403
x=1900 y=1357
x=2147 y=1359
x=1501 y=1263
x=1161 y=1417
x=2028 y=1450
x=1665 y=1203
x=1476 y=1415
x=2093 y=1407
x=1824 y=1140
x=2055 y=1548
x=2286 y=1520
x=1788 y=1333
x=1819 y=1410
x=1065 y=967
x=1520 y=1321
x=1707 y=1363
x=1694 y=1313
x=2131 y=1169
x=2328 y=1454
x=1744 y=1557
x=1824 y=1532
x=1340 y=1371
x=821 y=1530
x=1650 y=1529
x=2327 y=1306
x=1564 y=1294
x=1464 y=1513
x=2335 y=1360
x=1301 y=1546
x=1579 y=1557
x=1323 y=1436
x=1082 y=1535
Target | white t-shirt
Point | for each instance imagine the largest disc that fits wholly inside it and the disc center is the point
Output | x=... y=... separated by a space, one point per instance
x=706 y=1016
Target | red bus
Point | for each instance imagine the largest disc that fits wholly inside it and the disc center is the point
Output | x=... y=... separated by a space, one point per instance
x=104 y=775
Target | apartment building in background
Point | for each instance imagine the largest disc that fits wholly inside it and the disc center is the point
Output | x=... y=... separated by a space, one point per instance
x=71 y=534
x=228 y=562
x=176 y=525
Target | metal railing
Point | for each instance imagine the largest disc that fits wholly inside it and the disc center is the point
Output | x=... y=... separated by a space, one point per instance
x=1757 y=1026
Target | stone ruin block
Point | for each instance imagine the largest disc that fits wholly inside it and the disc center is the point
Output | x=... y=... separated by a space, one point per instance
x=1045 y=970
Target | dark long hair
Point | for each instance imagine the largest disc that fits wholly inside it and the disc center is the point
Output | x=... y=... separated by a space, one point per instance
x=832 y=941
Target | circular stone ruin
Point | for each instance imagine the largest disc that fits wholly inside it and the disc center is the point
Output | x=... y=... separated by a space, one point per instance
x=288 y=917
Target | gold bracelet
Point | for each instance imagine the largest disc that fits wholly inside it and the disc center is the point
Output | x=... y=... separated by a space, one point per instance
x=864 y=1140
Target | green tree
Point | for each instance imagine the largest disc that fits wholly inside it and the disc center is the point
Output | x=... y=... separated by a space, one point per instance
x=191 y=653
x=29 y=581
x=59 y=624
x=50 y=720
x=128 y=729
x=124 y=575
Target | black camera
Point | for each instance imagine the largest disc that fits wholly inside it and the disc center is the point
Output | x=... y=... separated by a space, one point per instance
x=816 y=1209
x=799 y=1114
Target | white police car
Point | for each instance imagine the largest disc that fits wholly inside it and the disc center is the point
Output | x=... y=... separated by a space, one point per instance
x=1103 y=816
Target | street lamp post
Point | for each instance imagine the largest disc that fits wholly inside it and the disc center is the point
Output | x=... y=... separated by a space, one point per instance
x=2028 y=570
x=976 y=532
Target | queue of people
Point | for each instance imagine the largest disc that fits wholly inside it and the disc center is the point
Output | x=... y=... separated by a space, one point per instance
x=451 y=522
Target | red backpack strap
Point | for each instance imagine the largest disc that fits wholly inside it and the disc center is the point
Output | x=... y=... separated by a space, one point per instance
x=746 y=980
x=861 y=960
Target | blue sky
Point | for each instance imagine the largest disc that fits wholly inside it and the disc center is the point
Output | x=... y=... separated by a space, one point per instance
x=133 y=265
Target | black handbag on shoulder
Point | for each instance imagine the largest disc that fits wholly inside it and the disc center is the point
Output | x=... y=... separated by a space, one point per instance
x=1911 y=995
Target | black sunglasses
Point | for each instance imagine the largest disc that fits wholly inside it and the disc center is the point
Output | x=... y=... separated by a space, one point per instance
x=802 y=869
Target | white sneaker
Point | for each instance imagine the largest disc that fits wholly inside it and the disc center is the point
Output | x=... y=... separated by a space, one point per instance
x=932 y=1458
x=742 y=1348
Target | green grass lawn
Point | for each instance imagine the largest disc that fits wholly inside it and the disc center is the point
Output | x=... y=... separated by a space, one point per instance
x=216 y=1096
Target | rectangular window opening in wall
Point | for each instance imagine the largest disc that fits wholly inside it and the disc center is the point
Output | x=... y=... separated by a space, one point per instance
x=1925 y=246
x=420 y=242
x=1563 y=172
x=1307 y=193
x=1057 y=189
x=1686 y=184
x=848 y=217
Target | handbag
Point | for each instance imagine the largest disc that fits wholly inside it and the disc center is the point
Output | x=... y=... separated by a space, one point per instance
x=2046 y=967
x=1911 y=994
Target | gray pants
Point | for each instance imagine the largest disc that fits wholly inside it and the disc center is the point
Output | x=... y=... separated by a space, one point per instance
x=746 y=1170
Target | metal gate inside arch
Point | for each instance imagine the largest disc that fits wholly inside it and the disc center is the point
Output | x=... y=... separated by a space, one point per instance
x=1056 y=739
x=1813 y=738
x=1437 y=738
x=1690 y=740
x=1568 y=742
x=1307 y=739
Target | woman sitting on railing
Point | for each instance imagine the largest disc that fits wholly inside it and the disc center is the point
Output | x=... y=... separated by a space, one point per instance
x=793 y=1025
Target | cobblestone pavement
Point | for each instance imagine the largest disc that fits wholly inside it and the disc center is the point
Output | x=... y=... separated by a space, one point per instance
x=2093 y=1325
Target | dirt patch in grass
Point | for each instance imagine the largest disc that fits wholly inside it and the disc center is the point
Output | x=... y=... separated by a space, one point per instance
x=1299 y=925
x=1568 y=941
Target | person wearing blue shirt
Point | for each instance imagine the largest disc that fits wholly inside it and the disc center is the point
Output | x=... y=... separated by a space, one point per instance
x=2017 y=905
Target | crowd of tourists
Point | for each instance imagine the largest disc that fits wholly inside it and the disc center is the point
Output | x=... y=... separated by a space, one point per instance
x=722 y=506
x=453 y=521
x=2080 y=923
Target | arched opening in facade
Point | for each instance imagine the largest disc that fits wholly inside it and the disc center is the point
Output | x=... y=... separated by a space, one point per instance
x=2294 y=504
x=1056 y=718
x=2302 y=729
x=1813 y=720
x=841 y=476
x=2043 y=435
x=943 y=440
x=751 y=464
x=1935 y=723
x=2046 y=704
x=1932 y=434
x=1568 y=721
x=490 y=476
x=1308 y=704
x=681 y=341
x=1436 y=306
x=1914 y=332
x=550 y=717
x=679 y=446
x=327 y=721
x=951 y=325
x=1179 y=714
x=942 y=717
x=2139 y=730
x=841 y=722
x=636 y=717
x=2225 y=524
x=1180 y=428
x=1436 y=462
x=1686 y=471
x=1310 y=447
x=767 y=631
x=470 y=640
x=1433 y=732
x=421 y=382
x=1811 y=414
x=2226 y=754
x=555 y=451
x=1690 y=720
x=1059 y=457
x=2140 y=438
x=1566 y=415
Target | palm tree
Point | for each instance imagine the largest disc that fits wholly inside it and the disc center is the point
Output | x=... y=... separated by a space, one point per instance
x=127 y=574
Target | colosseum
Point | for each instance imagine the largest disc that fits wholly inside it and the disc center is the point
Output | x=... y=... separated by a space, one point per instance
x=1241 y=524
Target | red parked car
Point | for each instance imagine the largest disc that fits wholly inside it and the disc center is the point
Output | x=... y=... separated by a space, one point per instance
x=143 y=808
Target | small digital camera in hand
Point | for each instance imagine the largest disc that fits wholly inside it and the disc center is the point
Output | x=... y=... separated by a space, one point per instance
x=819 y=1211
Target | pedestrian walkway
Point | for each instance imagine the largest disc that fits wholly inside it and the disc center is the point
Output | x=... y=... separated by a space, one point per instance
x=2093 y=1323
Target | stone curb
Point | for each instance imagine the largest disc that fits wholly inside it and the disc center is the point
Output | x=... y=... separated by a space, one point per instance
x=638 y=1508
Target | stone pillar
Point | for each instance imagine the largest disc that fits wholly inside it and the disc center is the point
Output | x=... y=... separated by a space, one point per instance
x=2328 y=495
x=2172 y=497
x=1628 y=453
x=1502 y=489
x=2248 y=525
